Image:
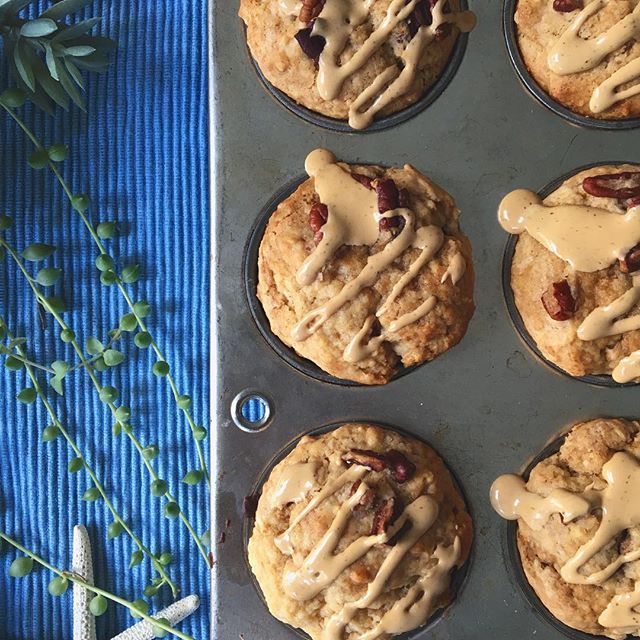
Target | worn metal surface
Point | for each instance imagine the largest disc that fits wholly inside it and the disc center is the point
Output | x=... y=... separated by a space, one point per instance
x=488 y=405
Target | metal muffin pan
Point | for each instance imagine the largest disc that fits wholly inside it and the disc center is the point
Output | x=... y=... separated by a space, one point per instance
x=487 y=405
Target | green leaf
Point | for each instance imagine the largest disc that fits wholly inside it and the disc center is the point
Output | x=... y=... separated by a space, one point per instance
x=113 y=357
x=67 y=336
x=75 y=30
x=21 y=60
x=64 y=8
x=49 y=276
x=69 y=85
x=99 y=365
x=79 y=51
x=159 y=488
x=6 y=222
x=106 y=230
x=151 y=452
x=136 y=558
x=60 y=367
x=58 y=587
x=58 y=152
x=161 y=633
x=50 y=434
x=21 y=567
x=80 y=202
x=108 y=394
x=13 y=98
x=50 y=59
x=117 y=429
x=55 y=383
x=115 y=529
x=27 y=396
x=13 y=364
x=57 y=304
x=38 y=28
x=38 y=251
x=128 y=322
x=161 y=368
x=52 y=88
x=131 y=274
x=184 y=402
x=142 y=309
x=165 y=559
x=104 y=262
x=75 y=465
x=108 y=278
x=98 y=606
x=199 y=433
x=91 y=495
x=38 y=159
x=205 y=538
x=140 y=606
x=123 y=413
x=193 y=477
x=74 y=72
x=94 y=346
x=150 y=591
x=142 y=340
x=171 y=510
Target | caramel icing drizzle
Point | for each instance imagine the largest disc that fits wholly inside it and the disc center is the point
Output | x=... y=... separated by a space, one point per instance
x=296 y=481
x=335 y=23
x=620 y=508
x=323 y=564
x=353 y=219
x=574 y=54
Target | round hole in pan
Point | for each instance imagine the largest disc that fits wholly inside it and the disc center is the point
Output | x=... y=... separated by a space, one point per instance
x=527 y=80
x=250 y=278
x=514 y=564
x=459 y=575
x=386 y=122
x=514 y=314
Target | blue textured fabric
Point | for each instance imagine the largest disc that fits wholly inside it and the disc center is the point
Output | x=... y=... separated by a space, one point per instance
x=141 y=154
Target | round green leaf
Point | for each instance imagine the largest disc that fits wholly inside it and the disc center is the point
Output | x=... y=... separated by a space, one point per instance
x=128 y=322
x=161 y=368
x=136 y=558
x=106 y=230
x=117 y=429
x=108 y=278
x=67 y=336
x=50 y=434
x=80 y=202
x=56 y=304
x=193 y=477
x=165 y=559
x=108 y=394
x=38 y=251
x=58 y=152
x=104 y=262
x=140 y=606
x=151 y=452
x=142 y=309
x=38 y=159
x=13 y=98
x=21 y=567
x=171 y=510
x=6 y=222
x=27 y=396
x=184 y=402
x=75 y=465
x=161 y=633
x=98 y=606
x=159 y=488
x=150 y=591
x=13 y=364
x=142 y=340
x=99 y=365
x=113 y=357
x=38 y=28
x=115 y=529
x=123 y=413
x=48 y=277
x=131 y=274
x=94 y=346
x=91 y=495
x=58 y=586
x=199 y=433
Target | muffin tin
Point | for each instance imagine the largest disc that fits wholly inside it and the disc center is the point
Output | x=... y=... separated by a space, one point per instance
x=486 y=406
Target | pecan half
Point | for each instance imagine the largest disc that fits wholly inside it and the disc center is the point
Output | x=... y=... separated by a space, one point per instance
x=558 y=301
x=623 y=185
x=401 y=468
x=397 y=463
x=365 y=181
x=631 y=262
x=367 y=497
x=565 y=6
x=383 y=517
x=312 y=46
x=310 y=10
x=365 y=458
x=388 y=196
x=318 y=215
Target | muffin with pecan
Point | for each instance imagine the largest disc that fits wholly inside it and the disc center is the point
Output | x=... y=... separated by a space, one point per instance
x=585 y=55
x=357 y=534
x=578 y=531
x=574 y=270
x=353 y=60
x=364 y=270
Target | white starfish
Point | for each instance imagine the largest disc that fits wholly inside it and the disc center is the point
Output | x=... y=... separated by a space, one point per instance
x=84 y=623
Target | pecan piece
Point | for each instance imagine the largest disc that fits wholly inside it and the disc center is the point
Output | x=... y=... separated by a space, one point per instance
x=318 y=215
x=312 y=46
x=365 y=181
x=401 y=468
x=631 y=262
x=383 y=517
x=443 y=32
x=388 y=196
x=310 y=10
x=365 y=458
x=367 y=497
x=565 y=6
x=624 y=185
x=558 y=301
x=420 y=16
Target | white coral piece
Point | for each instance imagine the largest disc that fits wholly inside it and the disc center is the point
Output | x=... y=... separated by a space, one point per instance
x=84 y=624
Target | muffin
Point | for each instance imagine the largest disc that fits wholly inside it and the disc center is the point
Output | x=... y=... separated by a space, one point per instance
x=363 y=270
x=577 y=253
x=557 y=40
x=352 y=529
x=578 y=532
x=353 y=60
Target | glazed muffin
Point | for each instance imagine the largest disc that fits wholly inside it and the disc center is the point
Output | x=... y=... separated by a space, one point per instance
x=578 y=533
x=557 y=40
x=353 y=60
x=352 y=529
x=363 y=270
x=563 y=285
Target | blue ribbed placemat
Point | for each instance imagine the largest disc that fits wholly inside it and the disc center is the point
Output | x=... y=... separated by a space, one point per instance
x=141 y=153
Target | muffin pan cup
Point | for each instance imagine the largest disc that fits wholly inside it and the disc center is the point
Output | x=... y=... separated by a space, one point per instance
x=485 y=405
x=537 y=92
x=514 y=314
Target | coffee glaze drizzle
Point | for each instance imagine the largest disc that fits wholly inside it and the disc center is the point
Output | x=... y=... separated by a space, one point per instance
x=335 y=24
x=323 y=564
x=574 y=54
x=353 y=219
x=620 y=508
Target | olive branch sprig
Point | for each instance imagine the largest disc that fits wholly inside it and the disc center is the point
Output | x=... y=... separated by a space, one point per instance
x=43 y=157
x=22 y=566
x=108 y=395
x=80 y=462
x=46 y=55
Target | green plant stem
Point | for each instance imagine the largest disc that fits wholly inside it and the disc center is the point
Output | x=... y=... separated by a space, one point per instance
x=76 y=579
x=96 y=383
x=121 y=287
x=29 y=363
x=91 y=473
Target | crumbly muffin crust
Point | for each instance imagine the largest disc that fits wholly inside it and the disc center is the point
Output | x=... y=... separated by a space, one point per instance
x=535 y=268
x=288 y=240
x=538 y=25
x=271 y=39
x=577 y=465
x=269 y=564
